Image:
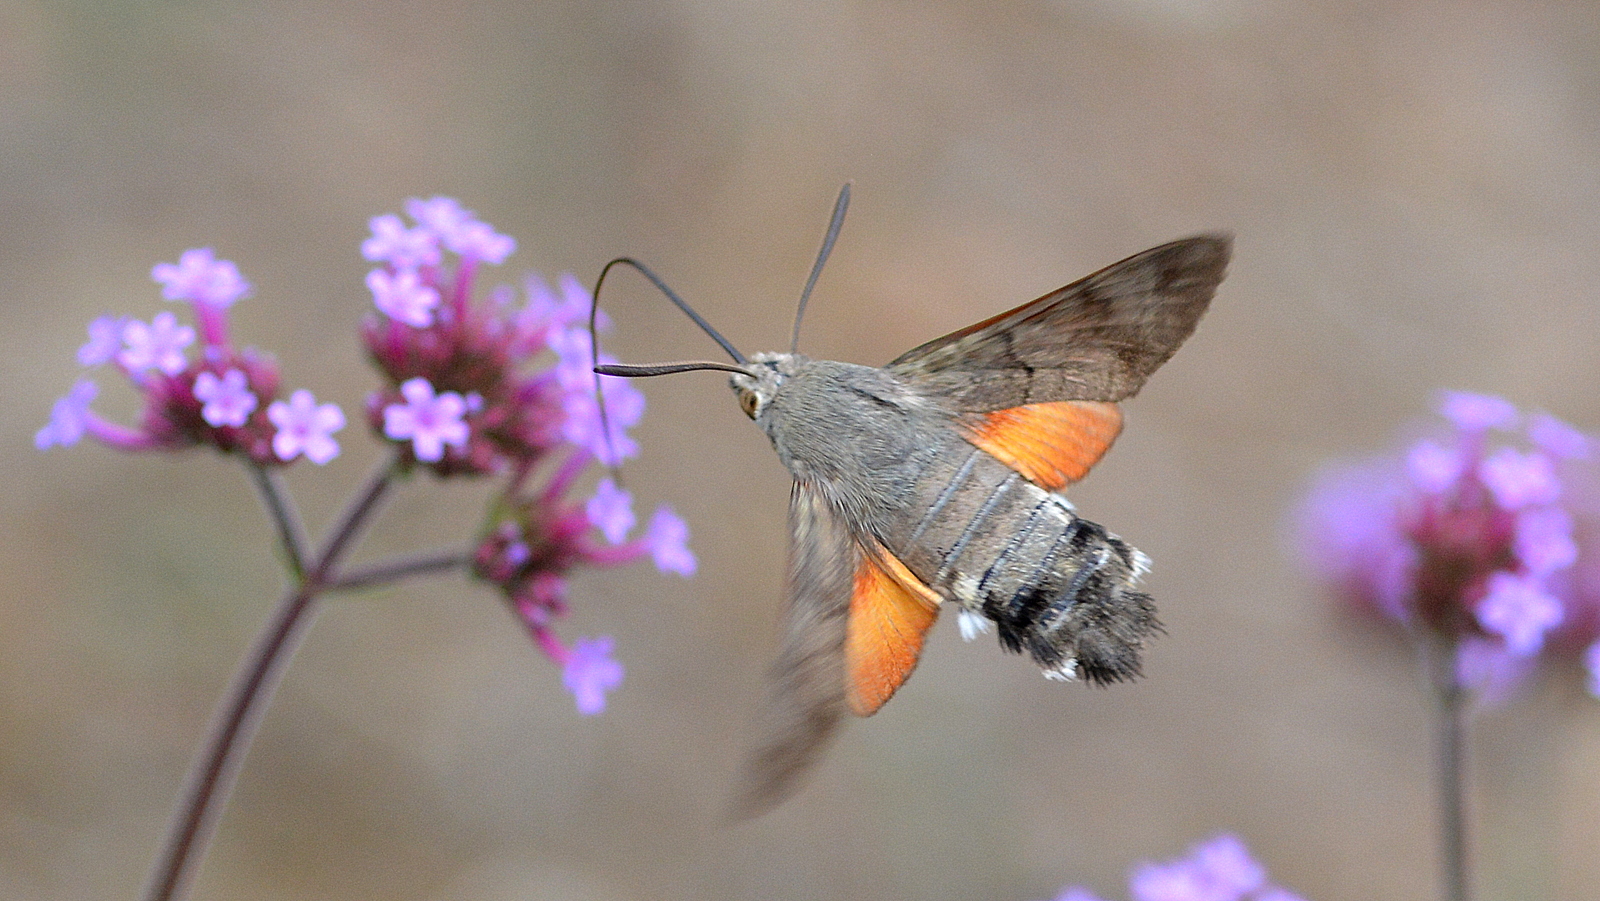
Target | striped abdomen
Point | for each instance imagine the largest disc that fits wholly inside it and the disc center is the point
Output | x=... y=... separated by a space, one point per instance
x=1056 y=585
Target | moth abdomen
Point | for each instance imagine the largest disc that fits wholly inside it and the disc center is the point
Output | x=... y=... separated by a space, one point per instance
x=1085 y=618
x=1058 y=587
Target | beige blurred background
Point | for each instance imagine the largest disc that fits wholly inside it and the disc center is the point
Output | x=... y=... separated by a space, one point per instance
x=1416 y=192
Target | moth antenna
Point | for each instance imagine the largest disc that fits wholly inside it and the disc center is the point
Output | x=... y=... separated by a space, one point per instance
x=836 y=223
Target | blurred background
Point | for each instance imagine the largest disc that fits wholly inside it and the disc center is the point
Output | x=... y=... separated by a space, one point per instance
x=1415 y=188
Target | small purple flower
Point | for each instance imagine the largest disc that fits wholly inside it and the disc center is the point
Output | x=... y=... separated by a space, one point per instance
x=1557 y=438
x=227 y=401
x=105 y=339
x=1477 y=413
x=68 y=417
x=1520 y=610
x=590 y=672
x=1434 y=468
x=1520 y=479
x=401 y=247
x=582 y=425
x=1220 y=869
x=611 y=511
x=428 y=421
x=442 y=216
x=668 y=540
x=403 y=297
x=305 y=428
x=1489 y=669
x=570 y=309
x=200 y=278
x=477 y=241
x=574 y=352
x=606 y=439
x=1544 y=541
x=158 y=345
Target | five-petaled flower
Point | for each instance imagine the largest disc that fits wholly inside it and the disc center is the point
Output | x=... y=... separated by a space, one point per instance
x=429 y=421
x=305 y=427
x=227 y=401
x=590 y=672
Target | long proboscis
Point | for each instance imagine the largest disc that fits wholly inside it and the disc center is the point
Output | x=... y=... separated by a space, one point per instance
x=834 y=224
x=626 y=371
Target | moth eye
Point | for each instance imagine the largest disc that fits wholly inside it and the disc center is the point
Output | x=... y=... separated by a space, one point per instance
x=748 y=402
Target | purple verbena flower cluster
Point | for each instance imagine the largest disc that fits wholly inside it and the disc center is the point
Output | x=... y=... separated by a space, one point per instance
x=1472 y=536
x=1218 y=869
x=472 y=387
x=222 y=395
x=467 y=397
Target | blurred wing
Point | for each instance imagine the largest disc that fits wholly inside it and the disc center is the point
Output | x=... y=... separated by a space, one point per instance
x=1097 y=339
x=807 y=694
x=890 y=612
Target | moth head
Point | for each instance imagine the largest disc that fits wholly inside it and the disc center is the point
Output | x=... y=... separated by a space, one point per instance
x=756 y=384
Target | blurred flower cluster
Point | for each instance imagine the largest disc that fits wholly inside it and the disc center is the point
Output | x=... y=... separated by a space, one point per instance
x=1482 y=535
x=1218 y=869
x=496 y=386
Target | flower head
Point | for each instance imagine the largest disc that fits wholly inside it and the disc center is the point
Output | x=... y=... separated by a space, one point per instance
x=1469 y=538
x=1218 y=869
x=487 y=349
x=471 y=386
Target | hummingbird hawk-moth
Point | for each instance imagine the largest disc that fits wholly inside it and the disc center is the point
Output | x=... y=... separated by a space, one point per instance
x=937 y=480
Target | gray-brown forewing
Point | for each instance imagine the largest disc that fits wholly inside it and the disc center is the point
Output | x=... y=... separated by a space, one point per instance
x=1096 y=339
x=807 y=694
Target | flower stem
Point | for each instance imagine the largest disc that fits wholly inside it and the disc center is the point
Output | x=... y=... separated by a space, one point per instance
x=291 y=535
x=1450 y=702
x=212 y=777
x=400 y=568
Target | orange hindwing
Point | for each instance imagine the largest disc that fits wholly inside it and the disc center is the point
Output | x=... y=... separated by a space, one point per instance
x=890 y=612
x=1051 y=444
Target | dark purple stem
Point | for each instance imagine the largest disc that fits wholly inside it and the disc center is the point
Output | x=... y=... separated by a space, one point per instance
x=291 y=535
x=212 y=778
x=395 y=570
